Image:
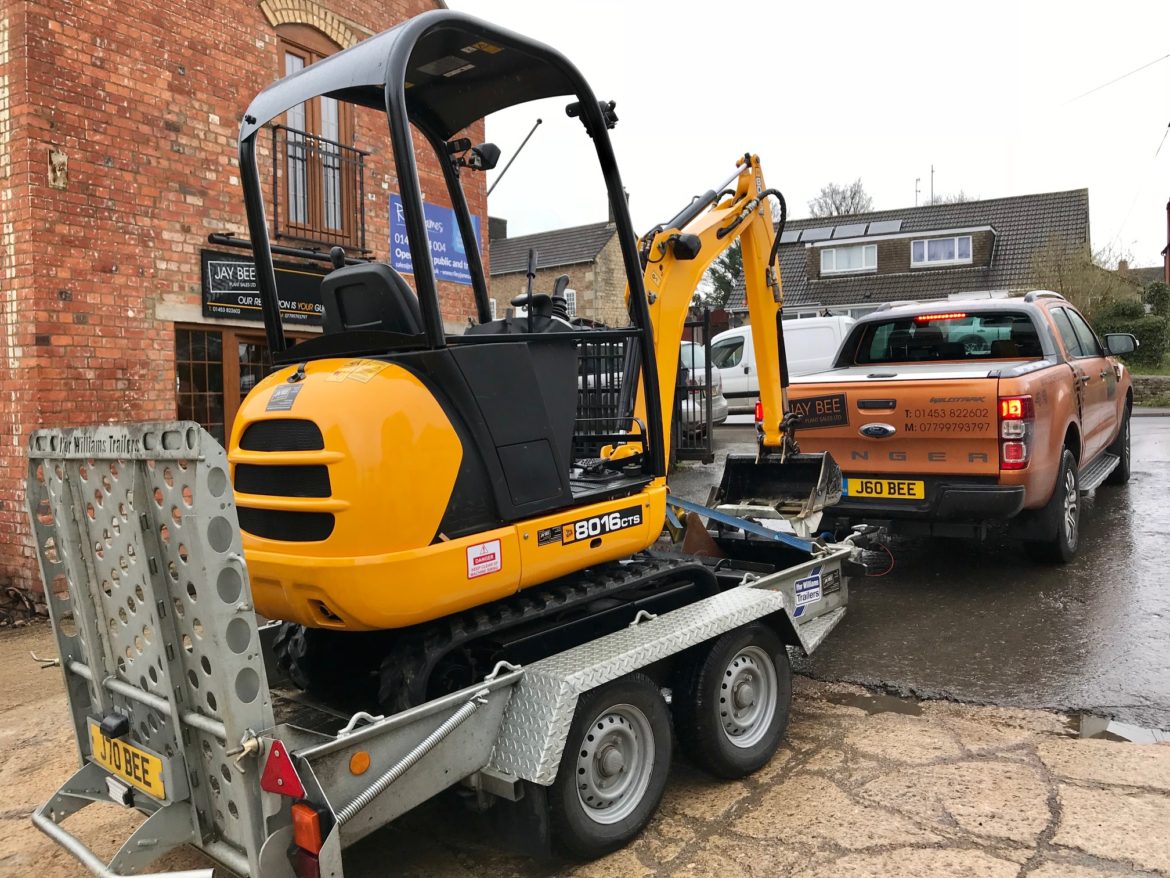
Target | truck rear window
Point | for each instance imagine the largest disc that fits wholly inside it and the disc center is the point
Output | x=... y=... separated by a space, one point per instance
x=988 y=335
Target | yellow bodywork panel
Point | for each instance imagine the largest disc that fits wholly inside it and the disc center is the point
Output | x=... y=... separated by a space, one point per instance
x=393 y=457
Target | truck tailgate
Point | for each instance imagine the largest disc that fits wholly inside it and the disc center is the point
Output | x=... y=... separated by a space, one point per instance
x=905 y=419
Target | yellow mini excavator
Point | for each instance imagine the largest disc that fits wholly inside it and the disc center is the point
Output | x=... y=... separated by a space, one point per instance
x=410 y=498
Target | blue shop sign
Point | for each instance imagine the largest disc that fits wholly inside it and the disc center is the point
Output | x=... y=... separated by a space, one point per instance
x=447 y=253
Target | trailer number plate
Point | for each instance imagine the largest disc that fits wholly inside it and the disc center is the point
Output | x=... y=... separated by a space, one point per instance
x=588 y=528
x=129 y=763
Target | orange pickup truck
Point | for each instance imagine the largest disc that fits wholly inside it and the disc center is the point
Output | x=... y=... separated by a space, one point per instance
x=950 y=418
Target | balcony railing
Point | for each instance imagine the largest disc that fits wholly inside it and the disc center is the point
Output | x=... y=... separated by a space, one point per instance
x=318 y=189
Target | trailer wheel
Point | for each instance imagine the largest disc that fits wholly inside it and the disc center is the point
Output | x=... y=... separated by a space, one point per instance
x=614 y=767
x=732 y=700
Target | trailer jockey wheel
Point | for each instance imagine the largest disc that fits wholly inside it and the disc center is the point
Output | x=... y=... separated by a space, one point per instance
x=614 y=767
x=732 y=699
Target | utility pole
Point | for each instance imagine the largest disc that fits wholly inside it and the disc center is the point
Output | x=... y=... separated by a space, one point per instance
x=917 y=189
x=932 y=183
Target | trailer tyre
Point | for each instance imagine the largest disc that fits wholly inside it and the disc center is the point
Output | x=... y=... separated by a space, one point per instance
x=614 y=768
x=731 y=701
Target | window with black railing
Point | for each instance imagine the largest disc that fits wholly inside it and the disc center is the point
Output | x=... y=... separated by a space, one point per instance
x=318 y=185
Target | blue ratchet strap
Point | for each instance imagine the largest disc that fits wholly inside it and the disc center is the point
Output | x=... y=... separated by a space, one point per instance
x=744 y=524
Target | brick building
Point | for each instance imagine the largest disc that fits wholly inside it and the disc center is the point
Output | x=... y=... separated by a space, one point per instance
x=590 y=255
x=118 y=126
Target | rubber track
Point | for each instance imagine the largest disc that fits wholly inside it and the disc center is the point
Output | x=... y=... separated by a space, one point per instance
x=406 y=669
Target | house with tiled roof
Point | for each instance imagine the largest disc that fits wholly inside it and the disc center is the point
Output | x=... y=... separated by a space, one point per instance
x=851 y=264
x=590 y=255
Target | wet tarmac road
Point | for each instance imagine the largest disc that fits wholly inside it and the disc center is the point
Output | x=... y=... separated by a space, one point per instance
x=983 y=623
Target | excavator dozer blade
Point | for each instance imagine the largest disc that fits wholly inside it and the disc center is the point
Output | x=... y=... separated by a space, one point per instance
x=798 y=489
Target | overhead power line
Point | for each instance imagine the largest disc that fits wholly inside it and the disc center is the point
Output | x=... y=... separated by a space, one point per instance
x=1118 y=79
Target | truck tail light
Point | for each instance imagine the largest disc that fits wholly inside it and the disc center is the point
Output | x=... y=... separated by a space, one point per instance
x=1016 y=418
x=759 y=412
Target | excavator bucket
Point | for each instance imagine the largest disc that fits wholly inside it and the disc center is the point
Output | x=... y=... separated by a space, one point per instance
x=798 y=488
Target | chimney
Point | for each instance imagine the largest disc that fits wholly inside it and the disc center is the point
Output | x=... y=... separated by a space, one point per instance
x=497 y=228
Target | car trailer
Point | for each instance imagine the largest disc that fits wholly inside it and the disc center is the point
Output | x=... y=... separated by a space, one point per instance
x=177 y=711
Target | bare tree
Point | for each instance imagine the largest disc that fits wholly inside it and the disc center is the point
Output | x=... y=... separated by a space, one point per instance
x=959 y=197
x=1085 y=278
x=835 y=199
x=720 y=279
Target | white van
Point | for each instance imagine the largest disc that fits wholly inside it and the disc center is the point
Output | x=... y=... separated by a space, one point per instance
x=811 y=344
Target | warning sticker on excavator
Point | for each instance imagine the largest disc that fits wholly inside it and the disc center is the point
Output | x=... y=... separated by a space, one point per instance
x=358 y=370
x=484 y=558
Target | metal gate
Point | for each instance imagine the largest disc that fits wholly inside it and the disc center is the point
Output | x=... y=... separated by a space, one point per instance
x=604 y=367
x=692 y=430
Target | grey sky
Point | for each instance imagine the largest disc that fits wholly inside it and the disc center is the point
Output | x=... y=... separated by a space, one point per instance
x=831 y=92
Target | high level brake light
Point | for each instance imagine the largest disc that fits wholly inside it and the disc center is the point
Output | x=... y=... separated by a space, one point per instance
x=1016 y=417
x=949 y=315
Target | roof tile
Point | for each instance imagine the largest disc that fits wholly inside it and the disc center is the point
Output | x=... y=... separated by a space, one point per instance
x=557 y=247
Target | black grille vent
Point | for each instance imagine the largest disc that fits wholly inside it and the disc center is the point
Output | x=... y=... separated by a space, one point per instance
x=293 y=527
x=283 y=481
x=283 y=434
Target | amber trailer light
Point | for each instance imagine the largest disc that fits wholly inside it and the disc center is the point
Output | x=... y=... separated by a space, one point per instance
x=1016 y=415
x=306 y=828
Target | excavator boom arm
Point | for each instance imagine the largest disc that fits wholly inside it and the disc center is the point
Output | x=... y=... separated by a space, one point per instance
x=673 y=272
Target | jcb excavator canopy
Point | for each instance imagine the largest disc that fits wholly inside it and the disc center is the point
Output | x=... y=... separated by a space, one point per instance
x=451 y=68
x=438 y=73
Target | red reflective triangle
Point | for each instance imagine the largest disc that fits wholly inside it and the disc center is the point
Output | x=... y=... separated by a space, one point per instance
x=280 y=775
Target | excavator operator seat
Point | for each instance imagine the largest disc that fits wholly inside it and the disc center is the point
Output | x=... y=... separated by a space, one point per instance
x=370 y=295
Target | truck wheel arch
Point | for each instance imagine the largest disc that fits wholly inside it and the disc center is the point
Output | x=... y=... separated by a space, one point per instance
x=1072 y=440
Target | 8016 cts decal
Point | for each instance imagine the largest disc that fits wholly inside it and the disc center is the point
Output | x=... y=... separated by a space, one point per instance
x=588 y=528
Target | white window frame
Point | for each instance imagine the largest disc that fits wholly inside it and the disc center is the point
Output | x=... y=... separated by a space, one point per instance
x=571 y=303
x=492 y=305
x=927 y=262
x=867 y=250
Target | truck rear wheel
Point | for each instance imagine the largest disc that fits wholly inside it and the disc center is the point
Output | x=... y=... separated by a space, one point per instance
x=614 y=768
x=732 y=700
x=1061 y=518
